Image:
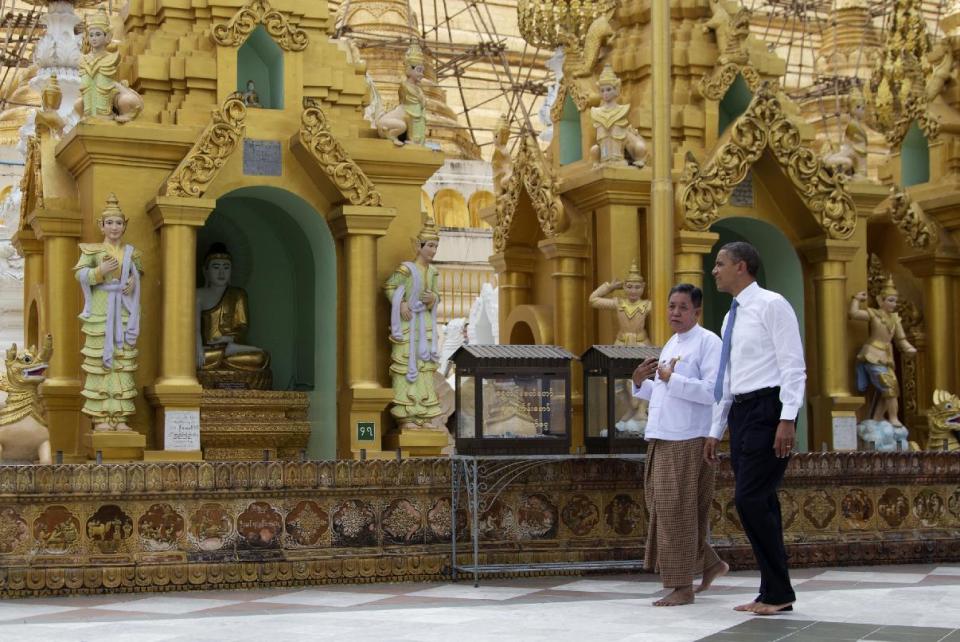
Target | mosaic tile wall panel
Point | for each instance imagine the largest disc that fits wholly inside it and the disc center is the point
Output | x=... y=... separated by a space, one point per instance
x=158 y=527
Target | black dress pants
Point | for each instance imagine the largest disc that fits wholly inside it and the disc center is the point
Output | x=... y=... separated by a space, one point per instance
x=758 y=473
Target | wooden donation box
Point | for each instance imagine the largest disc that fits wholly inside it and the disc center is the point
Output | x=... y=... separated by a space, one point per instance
x=614 y=420
x=513 y=400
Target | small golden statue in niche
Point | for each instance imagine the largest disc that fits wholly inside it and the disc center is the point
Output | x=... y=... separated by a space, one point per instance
x=875 y=365
x=632 y=312
x=407 y=122
x=109 y=275
x=618 y=143
x=413 y=295
x=250 y=97
x=101 y=94
x=223 y=360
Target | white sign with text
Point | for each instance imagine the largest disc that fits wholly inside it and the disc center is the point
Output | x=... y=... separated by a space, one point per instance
x=181 y=430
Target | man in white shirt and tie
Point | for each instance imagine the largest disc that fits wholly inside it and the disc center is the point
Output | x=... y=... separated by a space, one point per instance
x=678 y=482
x=760 y=387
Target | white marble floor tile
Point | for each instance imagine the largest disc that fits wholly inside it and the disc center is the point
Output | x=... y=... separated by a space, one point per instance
x=611 y=586
x=468 y=592
x=19 y=610
x=314 y=597
x=871 y=576
x=946 y=570
x=164 y=605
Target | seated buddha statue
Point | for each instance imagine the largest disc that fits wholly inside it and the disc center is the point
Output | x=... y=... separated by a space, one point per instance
x=223 y=359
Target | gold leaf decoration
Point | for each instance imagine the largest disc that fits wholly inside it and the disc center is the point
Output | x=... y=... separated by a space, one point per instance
x=715 y=85
x=31 y=183
x=207 y=156
x=259 y=12
x=910 y=219
x=765 y=125
x=333 y=158
x=541 y=183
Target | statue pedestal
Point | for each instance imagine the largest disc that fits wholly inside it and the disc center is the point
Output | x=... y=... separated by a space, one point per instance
x=239 y=425
x=172 y=455
x=116 y=447
x=417 y=442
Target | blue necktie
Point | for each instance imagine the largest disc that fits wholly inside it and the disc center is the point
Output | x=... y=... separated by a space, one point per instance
x=725 y=351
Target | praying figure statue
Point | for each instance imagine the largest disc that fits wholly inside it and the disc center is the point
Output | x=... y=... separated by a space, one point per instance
x=407 y=122
x=223 y=359
x=618 y=142
x=413 y=294
x=101 y=94
x=875 y=365
x=109 y=275
x=250 y=97
x=851 y=157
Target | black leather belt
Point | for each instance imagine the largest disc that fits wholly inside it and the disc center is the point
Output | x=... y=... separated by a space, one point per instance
x=756 y=394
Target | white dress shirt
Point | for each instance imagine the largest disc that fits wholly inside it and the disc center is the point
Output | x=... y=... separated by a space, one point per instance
x=765 y=352
x=680 y=408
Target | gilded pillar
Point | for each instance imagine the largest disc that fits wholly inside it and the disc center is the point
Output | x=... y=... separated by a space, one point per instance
x=58 y=228
x=690 y=247
x=515 y=267
x=363 y=401
x=176 y=386
x=31 y=249
x=613 y=197
x=568 y=256
x=834 y=408
x=939 y=272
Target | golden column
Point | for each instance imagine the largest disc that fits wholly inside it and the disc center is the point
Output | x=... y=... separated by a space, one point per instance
x=613 y=195
x=940 y=272
x=31 y=249
x=568 y=256
x=59 y=230
x=515 y=267
x=660 y=223
x=690 y=247
x=834 y=409
x=176 y=386
x=363 y=400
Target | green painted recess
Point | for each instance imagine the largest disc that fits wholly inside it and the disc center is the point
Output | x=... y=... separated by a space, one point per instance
x=285 y=258
x=571 y=136
x=914 y=157
x=734 y=104
x=260 y=59
x=780 y=271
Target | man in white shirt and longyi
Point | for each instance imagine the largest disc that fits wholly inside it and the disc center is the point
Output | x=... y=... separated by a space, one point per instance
x=759 y=390
x=678 y=482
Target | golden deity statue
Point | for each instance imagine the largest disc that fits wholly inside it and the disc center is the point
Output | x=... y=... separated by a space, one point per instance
x=412 y=291
x=875 y=365
x=101 y=94
x=632 y=310
x=407 y=122
x=501 y=161
x=851 y=157
x=109 y=274
x=223 y=360
x=618 y=143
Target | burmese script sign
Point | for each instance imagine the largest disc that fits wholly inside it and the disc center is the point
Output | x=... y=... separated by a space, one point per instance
x=262 y=157
x=181 y=430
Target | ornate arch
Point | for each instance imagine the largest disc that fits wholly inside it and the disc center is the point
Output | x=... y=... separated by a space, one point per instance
x=765 y=125
x=259 y=12
x=530 y=172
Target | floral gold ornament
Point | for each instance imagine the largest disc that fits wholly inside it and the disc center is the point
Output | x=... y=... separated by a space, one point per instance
x=765 y=125
x=565 y=22
x=920 y=232
x=349 y=178
x=259 y=12
x=216 y=144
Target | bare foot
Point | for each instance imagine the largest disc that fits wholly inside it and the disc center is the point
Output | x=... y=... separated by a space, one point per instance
x=678 y=597
x=772 y=609
x=749 y=606
x=102 y=427
x=709 y=575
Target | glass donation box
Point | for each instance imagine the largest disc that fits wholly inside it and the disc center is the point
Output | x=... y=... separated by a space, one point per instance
x=614 y=420
x=513 y=400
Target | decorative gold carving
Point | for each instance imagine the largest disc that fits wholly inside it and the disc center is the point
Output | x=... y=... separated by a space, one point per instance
x=732 y=33
x=349 y=178
x=216 y=144
x=765 y=125
x=31 y=183
x=565 y=22
x=921 y=233
x=259 y=12
x=241 y=424
x=533 y=174
x=715 y=85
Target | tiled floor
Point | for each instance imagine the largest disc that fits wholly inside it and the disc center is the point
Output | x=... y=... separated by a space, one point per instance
x=893 y=603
